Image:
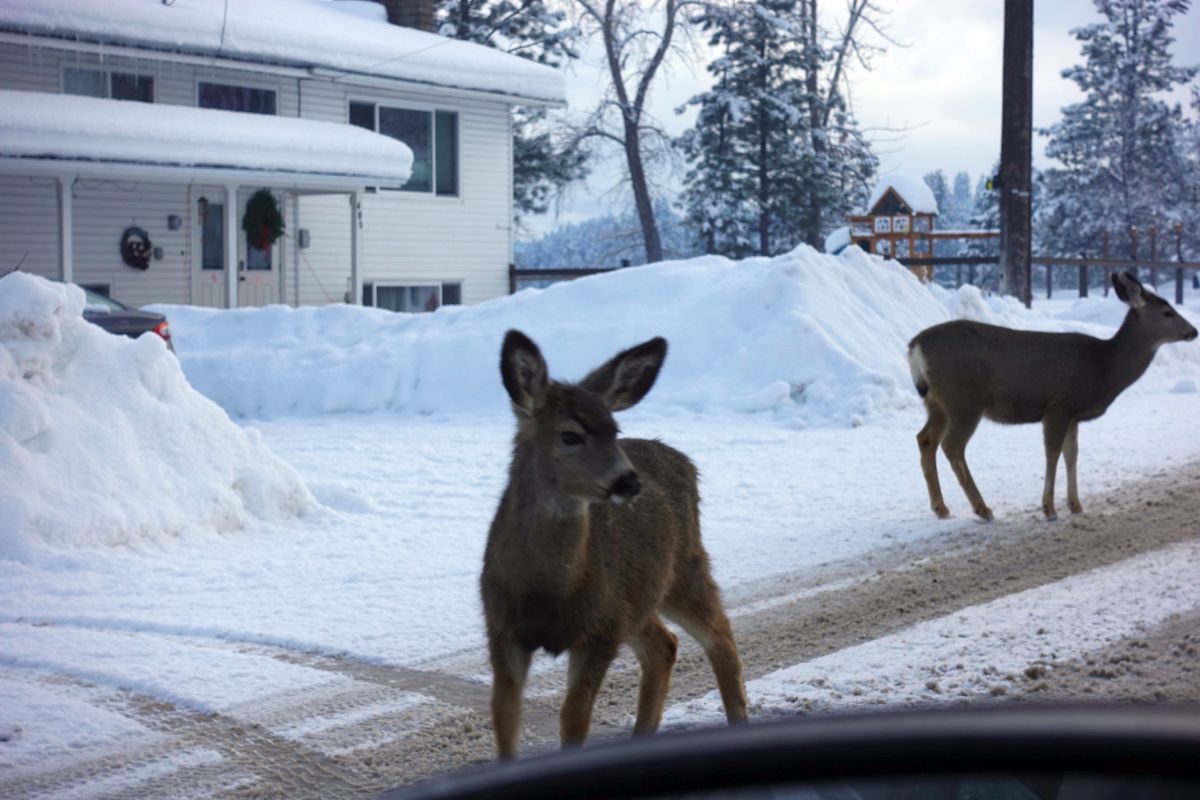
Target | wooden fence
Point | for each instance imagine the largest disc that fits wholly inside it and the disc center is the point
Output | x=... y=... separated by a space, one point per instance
x=926 y=265
x=1082 y=265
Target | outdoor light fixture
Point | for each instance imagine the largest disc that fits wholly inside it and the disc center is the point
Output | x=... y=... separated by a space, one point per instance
x=202 y=207
x=174 y=222
x=302 y=238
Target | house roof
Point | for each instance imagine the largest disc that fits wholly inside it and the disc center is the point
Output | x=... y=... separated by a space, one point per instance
x=912 y=190
x=294 y=33
x=35 y=126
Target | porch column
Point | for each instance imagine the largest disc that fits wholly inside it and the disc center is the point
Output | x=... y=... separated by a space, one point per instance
x=66 y=225
x=355 y=251
x=232 y=271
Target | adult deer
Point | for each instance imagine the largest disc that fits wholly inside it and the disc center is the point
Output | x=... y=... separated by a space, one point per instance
x=593 y=538
x=967 y=370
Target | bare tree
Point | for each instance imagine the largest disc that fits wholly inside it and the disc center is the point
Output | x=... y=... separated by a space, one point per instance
x=833 y=52
x=637 y=37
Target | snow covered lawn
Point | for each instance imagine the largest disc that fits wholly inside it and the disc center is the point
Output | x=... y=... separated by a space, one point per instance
x=361 y=534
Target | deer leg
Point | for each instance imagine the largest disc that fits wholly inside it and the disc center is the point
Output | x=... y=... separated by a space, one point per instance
x=699 y=612
x=510 y=666
x=585 y=672
x=655 y=647
x=954 y=445
x=1071 y=455
x=1054 y=433
x=928 y=440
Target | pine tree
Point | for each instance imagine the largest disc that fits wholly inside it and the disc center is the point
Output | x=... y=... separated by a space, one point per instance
x=1121 y=149
x=543 y=160
x=761 y=178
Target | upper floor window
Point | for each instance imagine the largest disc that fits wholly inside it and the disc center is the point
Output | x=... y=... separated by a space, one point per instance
x=228 y=97
x=108 y=83
x=431 y=135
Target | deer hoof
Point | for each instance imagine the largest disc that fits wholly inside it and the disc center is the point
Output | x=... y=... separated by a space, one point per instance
x=984 y=513
x=1075 y=506
x=1050 y=512
x=941 y=511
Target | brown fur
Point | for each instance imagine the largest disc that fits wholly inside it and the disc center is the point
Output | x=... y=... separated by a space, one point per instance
x=968 y=370
x=568 y=571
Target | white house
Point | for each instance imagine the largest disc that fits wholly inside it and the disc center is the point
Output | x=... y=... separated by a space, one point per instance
x=387 y=149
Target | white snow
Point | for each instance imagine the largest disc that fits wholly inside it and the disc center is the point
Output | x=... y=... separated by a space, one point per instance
x=914 y=191
x=812 y=339
x=104 y=443
x=296 y=33
x=146 y=541
x=40 y=125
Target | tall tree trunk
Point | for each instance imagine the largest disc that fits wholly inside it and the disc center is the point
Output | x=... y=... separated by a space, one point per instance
x=1016 y=140
x=817 y=122
x=641 y=192
x=764 y=176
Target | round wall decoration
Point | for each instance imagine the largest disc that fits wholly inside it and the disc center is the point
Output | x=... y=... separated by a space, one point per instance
x=136 y=247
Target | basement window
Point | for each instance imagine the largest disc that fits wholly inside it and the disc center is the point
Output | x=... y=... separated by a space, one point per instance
x=411 y=298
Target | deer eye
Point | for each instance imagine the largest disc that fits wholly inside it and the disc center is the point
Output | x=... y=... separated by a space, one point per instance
x=1168 y=313
x=571 y=438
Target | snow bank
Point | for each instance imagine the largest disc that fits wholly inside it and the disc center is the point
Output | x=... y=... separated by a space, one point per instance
x=103 y=442
x=815 y=339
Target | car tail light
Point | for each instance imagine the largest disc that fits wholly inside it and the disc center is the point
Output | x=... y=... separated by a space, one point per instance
x=163 y=330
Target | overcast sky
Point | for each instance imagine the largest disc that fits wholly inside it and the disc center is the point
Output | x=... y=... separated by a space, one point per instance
x=932 y=104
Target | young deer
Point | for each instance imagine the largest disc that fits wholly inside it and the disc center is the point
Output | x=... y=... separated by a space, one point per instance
x=594 y=537
x=968 y=370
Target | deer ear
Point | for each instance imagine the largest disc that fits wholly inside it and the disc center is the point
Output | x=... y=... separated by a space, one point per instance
x=627 y=377
x=524 y=373
x=1129 y=289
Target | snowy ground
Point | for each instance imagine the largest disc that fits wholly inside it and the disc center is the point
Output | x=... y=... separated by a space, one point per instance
x=380 y=568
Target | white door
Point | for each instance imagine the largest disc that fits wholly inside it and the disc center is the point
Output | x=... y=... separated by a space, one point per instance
x=208 y=253
x=258 y=267
x=258 y=260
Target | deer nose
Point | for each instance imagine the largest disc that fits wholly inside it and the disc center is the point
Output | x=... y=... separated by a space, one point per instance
x=624 y=488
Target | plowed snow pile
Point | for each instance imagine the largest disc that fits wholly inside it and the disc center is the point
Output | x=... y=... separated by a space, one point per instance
x=814 y=339
x=103 y=442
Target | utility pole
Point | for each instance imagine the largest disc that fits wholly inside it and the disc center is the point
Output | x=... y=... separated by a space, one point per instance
x=1016 y=151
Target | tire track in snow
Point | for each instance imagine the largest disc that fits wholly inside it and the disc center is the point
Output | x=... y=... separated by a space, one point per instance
x=785 y=621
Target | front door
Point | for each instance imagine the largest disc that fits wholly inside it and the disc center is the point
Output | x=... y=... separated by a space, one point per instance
x=258 y=266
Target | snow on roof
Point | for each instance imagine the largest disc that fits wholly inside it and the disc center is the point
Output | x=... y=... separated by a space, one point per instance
x=53 y=126
x=914 y=191
x=306 y=33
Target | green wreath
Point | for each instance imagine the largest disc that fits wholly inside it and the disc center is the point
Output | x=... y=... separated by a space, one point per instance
x=262 y=222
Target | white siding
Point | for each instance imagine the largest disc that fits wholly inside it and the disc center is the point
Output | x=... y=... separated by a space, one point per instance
x=29 y=226
x=103 y=210
x=407 y=237
x=410 y=237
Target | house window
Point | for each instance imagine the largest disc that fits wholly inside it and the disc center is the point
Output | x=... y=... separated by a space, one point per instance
x=921 y=224
x=900 y=224
x=883 y=224
x=431 y=135
x=411 y=298
x=105 y=83
x=883 y=247
x=227 y=97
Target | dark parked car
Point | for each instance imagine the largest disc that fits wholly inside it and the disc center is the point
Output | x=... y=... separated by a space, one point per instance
x=119 y=318
x=1086 y=753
